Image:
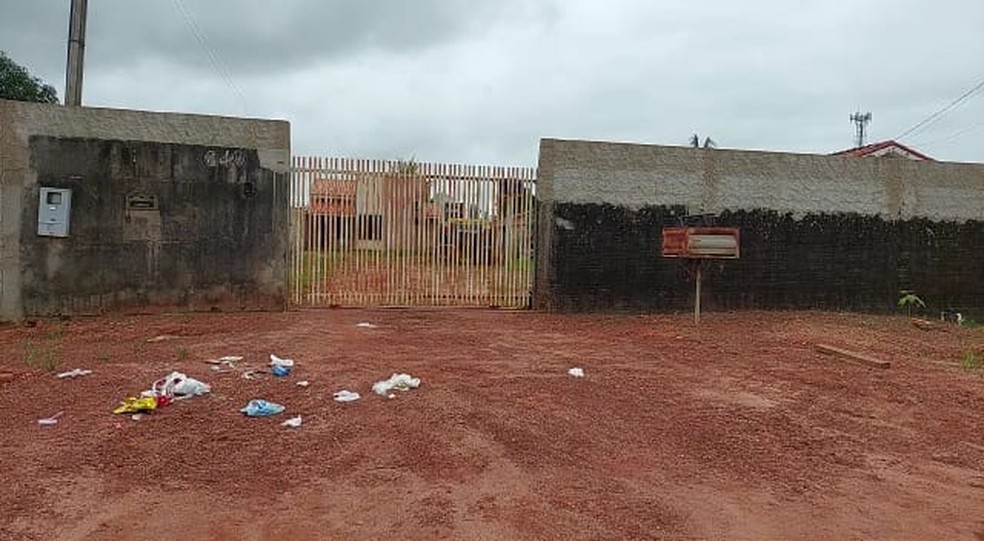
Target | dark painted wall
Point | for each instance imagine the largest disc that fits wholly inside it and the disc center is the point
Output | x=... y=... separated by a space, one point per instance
x=217 y=238
x=607 y=257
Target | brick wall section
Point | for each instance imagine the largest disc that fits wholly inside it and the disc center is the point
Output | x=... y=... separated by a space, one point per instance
x=817 y=231
x=217 y=240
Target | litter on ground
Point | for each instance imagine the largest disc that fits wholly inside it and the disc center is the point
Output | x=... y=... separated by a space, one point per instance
x=293 y=422
x=228 y=359
x=48 y=421
x=161 y=338
x=180 y=386
x=74 y=373
x=261 y=408
x=132 y=404
x=396 y=382
x=280 y=367
x=576 y=372
x=252 y=374
x=346 y=396
x=366 y=325
x=303 y=383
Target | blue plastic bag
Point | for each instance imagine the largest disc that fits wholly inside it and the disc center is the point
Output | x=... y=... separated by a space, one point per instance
x=280 y=370
x=262 y=408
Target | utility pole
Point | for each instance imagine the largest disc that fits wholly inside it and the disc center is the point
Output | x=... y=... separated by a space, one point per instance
x=861 y=122
x=76 y=52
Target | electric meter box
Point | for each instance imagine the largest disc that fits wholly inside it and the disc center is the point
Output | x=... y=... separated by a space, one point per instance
x=54 y=212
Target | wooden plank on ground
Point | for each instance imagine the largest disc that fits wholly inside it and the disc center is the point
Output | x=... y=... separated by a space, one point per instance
x=852 y=356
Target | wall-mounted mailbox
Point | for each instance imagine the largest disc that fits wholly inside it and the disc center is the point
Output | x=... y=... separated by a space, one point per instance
x=54 y=212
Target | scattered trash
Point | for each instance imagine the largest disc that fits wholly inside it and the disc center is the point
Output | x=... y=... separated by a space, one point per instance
x=78 y=372
x=303 y=383
x=132 y=404
x=346 y=396
x=576 y=372
x=952 y=316
x=366 y=325
x=280 y=367
x=179 y=385
x=227 y=361
x=397 y=382
x=262 y=408
x=252 y=374
x=137 y=416
x=280 y=370
x=161 y=338
x=293 y=422
x=48 y=421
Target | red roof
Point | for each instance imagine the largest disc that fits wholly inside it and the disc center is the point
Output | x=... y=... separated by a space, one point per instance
x=876 y=148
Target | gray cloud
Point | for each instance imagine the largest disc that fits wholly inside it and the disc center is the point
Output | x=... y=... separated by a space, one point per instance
x=483 y=81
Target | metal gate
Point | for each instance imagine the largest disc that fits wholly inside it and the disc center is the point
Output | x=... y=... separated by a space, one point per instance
x=393 y=233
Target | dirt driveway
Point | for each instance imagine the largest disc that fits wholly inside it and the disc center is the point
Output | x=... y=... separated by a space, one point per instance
x=739 y=432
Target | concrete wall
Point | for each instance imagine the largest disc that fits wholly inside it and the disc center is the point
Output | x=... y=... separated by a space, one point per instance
x=215 y=236
x=818 y=231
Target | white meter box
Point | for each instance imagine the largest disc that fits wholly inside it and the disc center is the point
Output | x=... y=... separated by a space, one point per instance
x=54 y=212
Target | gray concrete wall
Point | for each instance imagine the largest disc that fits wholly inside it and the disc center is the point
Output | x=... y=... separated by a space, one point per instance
x=215 y=239
x=635 y=176
x=818 y=231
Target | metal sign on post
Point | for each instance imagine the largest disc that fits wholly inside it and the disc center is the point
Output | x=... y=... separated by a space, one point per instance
x=696 y=244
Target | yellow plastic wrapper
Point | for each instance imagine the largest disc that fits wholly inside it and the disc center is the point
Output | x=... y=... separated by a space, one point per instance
x=132 y=404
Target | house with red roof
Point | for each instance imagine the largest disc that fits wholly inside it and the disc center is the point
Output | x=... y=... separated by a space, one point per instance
x=885 y=148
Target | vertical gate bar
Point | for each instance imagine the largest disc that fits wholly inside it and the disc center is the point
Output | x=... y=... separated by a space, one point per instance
x=528 y=195
x=309 y=221
x=333 y=208
x=341 y=246
x=313 y=254
x=293 y=226
x=360 y=232
x=292 y=279
x=460 y=195
x=463 y=256
x=309 y=218
x=473 y=260
x=437 y=245
x=389 y=195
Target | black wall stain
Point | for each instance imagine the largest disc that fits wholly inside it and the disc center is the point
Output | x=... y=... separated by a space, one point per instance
x=221 y=224
x=608 y=258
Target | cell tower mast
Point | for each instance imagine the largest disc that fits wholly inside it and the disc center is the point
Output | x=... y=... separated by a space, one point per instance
x=860 y=121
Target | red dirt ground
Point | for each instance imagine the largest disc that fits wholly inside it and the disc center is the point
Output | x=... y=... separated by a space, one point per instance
x=740 y=431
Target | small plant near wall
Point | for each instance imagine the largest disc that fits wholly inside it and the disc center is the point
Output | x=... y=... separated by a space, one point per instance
x=972 y=360
x=908 y=299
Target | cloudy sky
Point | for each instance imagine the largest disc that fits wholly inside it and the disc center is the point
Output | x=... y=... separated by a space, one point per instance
x=480 y=81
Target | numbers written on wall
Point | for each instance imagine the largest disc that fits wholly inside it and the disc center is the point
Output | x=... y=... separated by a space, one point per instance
x=225 y=158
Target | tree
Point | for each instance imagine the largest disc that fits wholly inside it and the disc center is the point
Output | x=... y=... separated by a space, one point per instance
x=16 y=83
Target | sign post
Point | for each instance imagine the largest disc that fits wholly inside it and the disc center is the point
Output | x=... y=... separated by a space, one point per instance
x=697 y=244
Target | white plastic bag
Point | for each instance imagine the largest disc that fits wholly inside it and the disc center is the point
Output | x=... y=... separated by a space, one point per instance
x=398 y=382
x=346 y=396
x=48 y=421
x=74 y=373
x=277 y=361
x=576 y=372
x=293 y=422
x=178 y=384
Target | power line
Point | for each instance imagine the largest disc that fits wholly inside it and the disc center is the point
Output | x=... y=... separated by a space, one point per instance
x=954 y=135
x=209 y=52
x=939 y=114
